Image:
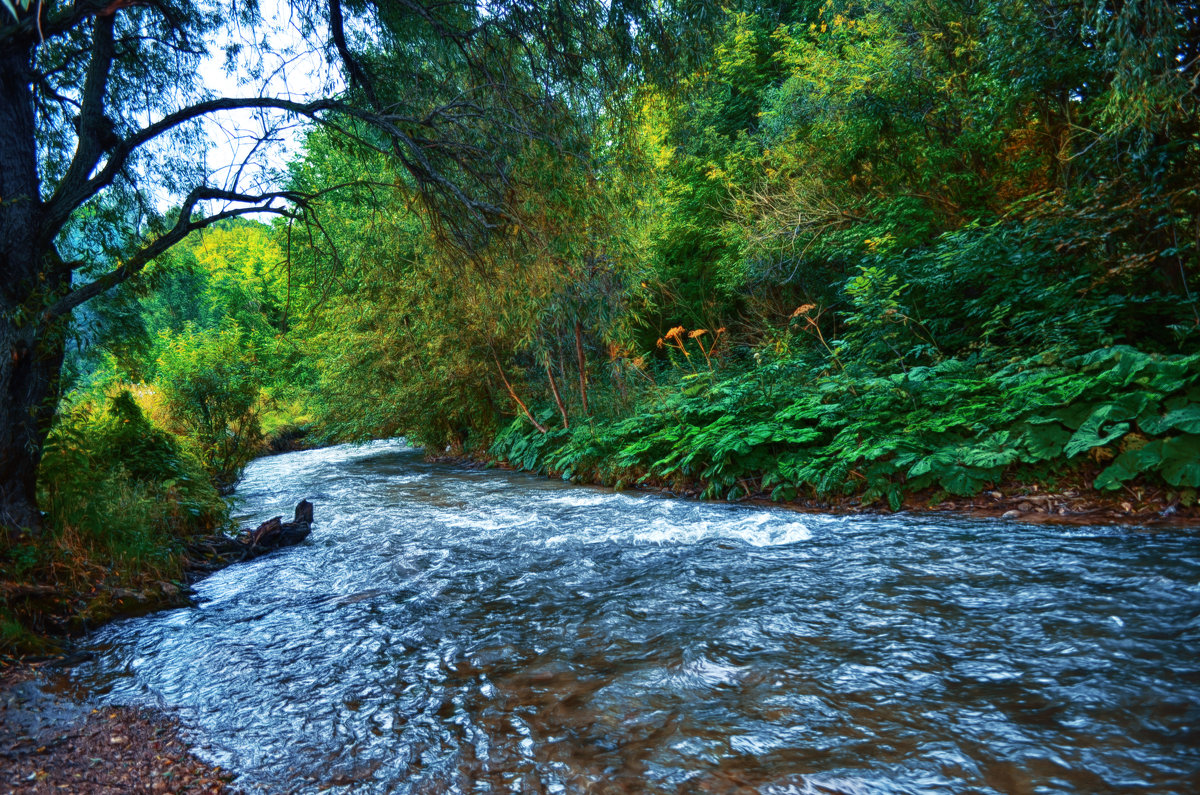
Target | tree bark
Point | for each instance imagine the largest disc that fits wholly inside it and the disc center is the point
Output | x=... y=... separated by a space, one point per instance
x=31 y=351
x=557 y=398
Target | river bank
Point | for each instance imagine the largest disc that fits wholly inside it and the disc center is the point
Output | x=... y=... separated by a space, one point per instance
x=55 y=739
x=45 y=615
x=1077 y=505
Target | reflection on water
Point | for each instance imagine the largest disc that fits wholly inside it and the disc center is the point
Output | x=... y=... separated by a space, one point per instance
x=465 y=631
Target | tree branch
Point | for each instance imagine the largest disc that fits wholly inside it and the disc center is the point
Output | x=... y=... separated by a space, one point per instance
x=92 y=127
x=44 y=24
x=69 y=195
x=256 y=203
x=541 y=428
x=337 y=29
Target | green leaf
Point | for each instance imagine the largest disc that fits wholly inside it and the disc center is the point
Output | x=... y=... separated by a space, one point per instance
x=1093 y=433
x=1181 y=461
x=961 y=480
x=1045 y=442
x=1181 y=415
x=13 y=5
x=1123 y=468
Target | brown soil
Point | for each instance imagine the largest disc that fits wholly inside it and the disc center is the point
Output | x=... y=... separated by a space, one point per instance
x=51 y=741
x=1070 y=507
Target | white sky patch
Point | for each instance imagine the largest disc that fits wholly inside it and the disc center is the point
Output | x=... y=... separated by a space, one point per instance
x=249 y=150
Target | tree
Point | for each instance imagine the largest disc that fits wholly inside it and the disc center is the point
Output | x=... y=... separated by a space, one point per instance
x=102 y=115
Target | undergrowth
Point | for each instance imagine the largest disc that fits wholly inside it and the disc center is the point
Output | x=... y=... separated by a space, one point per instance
x=955 y=427
x=120 y=497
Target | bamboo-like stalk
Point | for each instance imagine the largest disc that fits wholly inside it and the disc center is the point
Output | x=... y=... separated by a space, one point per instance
x=557 y=398
x=582 y=366
x=513 y=395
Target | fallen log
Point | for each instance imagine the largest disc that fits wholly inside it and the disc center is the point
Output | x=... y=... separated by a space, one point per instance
x=270 y=535
x=275 y=533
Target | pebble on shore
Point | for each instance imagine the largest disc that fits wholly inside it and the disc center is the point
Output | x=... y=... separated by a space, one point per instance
x=53 y=743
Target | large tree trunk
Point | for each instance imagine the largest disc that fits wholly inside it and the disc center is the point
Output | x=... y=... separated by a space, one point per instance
x=29 y=375
x=30 y=354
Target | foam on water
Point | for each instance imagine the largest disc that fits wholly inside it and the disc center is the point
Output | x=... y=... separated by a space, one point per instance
x=454 y=630
x=763 y=531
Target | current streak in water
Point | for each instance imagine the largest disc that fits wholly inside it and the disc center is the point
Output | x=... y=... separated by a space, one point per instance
x=466 y=631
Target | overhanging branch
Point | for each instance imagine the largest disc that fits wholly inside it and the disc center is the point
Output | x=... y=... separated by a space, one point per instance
x=72 y=193
x=186 y=223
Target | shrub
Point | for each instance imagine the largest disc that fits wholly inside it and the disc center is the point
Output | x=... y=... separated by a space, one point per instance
x=957 y=426
x=212 y=380
x=120 y=497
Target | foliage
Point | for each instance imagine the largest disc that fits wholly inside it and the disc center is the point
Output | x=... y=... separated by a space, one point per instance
x=980 y=228
x=124 y=478
x=921 y=251
x=105 y=454
x=12 y=6
x=411 y=337
x=121 y=497
x=958 y=426
x=212 y=383
x=204 y=332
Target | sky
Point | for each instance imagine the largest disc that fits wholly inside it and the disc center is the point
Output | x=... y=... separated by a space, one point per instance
x=292 y=69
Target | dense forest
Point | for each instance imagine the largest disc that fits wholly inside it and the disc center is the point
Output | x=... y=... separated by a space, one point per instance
x=844 y=253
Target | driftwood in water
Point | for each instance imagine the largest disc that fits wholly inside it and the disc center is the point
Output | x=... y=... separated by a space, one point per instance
x=217 y=551
x=275 y=533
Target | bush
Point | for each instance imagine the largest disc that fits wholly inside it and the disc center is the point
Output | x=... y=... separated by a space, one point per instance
x=120 y=497
x=127 y=489
x=958 y=426
x=212 y=381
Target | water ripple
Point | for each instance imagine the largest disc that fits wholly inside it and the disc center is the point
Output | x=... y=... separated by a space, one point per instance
x=467 y=631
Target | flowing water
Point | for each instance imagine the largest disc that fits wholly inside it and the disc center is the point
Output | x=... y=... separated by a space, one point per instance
x=475 y=631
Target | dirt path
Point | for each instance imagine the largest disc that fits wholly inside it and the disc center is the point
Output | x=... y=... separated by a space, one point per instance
x=54 y=741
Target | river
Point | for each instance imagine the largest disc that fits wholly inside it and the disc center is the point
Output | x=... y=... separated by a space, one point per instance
x=455 y=630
